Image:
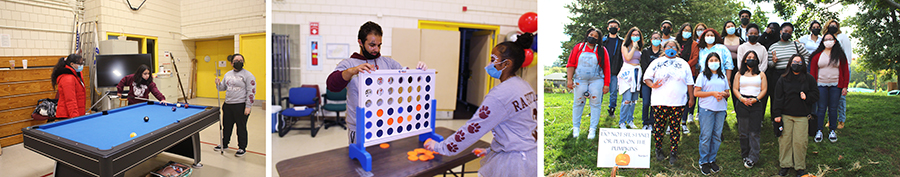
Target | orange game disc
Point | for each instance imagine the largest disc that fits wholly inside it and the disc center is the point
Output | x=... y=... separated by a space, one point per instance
x=423 y=158
x=409 y=118
x=384 y=145
x=477 y=151
x=435 y=152
x=429 y=153
x=380 y=112
x=412 y=153
x=400 y=119
x=420 y=150
x=413 y=158
x=418 y=107
x=390 y=121
x=429 y=156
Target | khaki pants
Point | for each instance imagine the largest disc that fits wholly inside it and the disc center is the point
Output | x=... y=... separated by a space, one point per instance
x=793 y=142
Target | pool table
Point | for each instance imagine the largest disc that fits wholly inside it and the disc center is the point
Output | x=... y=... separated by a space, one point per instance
x=100 y=144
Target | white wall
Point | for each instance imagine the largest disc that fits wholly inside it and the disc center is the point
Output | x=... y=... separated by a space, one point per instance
x=210 y=19
x=36 y=29
x=339 y=22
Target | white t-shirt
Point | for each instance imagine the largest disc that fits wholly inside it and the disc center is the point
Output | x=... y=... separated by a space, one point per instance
x=714 y=84
x=809 y=43
x=676 y=77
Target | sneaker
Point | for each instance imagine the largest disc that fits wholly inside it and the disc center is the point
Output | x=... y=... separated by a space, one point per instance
x=713 y=167
x=632 y=126
x=690 y=118
x=611 y=111
x=800 y=173
x=592 y=133
x=660 y=156
x=832 y=136
x=783 y=171
x=685 y=129
x=219 y=148
x=818 y=136
x=646 y=127
x=840 y=125
x=240 y=152
x=575 y=132
x=748 y=163
x=673 y=157
x=668 y=129
x=622 y=126
x=705 y=169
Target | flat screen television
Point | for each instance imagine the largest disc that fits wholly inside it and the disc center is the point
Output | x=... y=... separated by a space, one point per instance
x=112 y=68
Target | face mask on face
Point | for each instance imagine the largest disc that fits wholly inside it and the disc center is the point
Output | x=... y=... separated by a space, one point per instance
x=832 y=29
x=592 y=40
x=815 y=31
x=797 y=67
x=238 y=66
x=730 y=30
x=745 y=21
x=753 y=39
x=700 y=32
x=686 y=34
x=655 y=42
x=786 y=36
x=666 y=31
x=613 y=30
x=828 y=44
x=493 y=71
x=79 y=68
x=369 y=55
x=635 y=38
x=752 y=63
x=671 y=53
x=713 y=65
x=710 y=40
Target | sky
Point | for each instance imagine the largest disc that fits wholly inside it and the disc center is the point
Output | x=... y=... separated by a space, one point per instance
x=554 y=16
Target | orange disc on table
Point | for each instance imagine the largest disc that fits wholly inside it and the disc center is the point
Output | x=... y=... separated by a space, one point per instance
x=413 y=158
x=380 y=112
x=435 y=152
x=418 y=107
x=429 y=156
x=412 y=153
x=390 y=121
x=384 y=145
x=423 y=158
x=400 y=119
x=420 y=150
x=431 y=153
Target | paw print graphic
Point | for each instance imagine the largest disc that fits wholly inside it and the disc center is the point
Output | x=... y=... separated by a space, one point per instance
x=452 y=147
x=474 y=127
x=485 y=112
x=460 y=136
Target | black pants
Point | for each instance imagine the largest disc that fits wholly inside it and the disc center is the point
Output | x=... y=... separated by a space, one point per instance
x=234 y=114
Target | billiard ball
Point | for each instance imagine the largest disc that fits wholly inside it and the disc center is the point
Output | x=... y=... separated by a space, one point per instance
x=133 y=134
x=178 y=105
x=146 y=118
x=173 y=109
x=185 y=105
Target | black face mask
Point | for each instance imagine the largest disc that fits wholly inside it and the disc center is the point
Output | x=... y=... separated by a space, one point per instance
x=745 y=21
x=752 y=63
x=797 y=67
x=613 y=30
x=753 y=39
x=666 y=31
x=786 y=36
x=592 y=40
x=816 y=31
x=832 y=29
x=369 y=55
x=238 y=66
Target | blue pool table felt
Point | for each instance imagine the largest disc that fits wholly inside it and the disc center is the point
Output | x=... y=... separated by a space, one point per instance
x=107 y=131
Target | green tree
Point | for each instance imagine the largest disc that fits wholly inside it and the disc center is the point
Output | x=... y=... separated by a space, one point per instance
x=644 y=14
x=878 y=30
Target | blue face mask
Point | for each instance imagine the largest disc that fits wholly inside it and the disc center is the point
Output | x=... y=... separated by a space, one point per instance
x=713 y=66
x=79 y=68
x=671 y=53
x=655 y=42
x=710 y=40
x=493 y=71
x=730 y=30
x=635 y=38
x=686 y=34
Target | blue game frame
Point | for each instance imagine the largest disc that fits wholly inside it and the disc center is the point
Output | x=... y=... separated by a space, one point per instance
x=358 y=149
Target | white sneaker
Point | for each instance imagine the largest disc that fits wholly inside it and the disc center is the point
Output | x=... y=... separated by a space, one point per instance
x=632 y=126
x=668 y=129
x=575 y=132
x=686 y=130
x=690 y=118
x=832 y=136
x=592 y=133
x=818 y=136
x=622 y=126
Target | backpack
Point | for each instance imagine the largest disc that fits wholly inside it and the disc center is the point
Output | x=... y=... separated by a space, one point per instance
x=46 y=109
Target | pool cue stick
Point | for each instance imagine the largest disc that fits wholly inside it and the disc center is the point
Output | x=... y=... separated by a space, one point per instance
x=218 y=103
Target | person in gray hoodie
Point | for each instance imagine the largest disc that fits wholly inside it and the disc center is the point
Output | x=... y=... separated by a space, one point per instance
x=240 y=87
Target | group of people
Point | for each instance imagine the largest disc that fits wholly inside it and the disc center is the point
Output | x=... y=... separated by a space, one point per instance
x=802 y=79
x=239 y=86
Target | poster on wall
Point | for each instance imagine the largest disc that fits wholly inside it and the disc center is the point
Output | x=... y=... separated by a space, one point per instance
x=312 y=60
x=337 y=51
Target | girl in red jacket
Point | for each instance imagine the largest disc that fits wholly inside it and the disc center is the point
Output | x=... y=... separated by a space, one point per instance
x=69 y=85
x=141 y=85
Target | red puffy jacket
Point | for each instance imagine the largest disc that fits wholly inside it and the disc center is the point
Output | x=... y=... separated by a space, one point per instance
x=70 y=90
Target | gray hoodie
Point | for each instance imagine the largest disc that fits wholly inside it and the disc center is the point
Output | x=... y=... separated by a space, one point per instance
x=239 y=87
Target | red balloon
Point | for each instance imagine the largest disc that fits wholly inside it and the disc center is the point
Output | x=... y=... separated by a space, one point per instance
x=528 y=22
x=529 y=57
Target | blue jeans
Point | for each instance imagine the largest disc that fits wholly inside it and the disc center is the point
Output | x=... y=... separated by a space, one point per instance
x=711 y=123
x=626 y=115
x=646 y=112
x=829 y=97
x=614 y=89
x=842 y=109
x=585 y=89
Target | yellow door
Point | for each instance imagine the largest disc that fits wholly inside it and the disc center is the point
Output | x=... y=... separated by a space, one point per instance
x=253 y=47
x=217 y=50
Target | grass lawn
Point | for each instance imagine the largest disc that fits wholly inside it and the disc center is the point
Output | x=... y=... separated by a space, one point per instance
x=868 y=146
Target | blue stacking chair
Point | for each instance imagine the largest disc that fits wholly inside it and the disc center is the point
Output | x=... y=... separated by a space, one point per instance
x=299 y=96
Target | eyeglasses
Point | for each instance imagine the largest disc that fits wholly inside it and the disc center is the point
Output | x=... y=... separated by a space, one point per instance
x=495 y=58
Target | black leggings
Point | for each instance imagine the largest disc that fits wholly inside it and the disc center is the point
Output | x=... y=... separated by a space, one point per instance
x=234 y=114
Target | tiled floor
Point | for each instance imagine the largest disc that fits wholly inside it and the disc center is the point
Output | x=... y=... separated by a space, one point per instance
x=299 y=143
x=18 y=161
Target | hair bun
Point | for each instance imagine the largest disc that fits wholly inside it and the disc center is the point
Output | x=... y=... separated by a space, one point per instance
x=525 y=40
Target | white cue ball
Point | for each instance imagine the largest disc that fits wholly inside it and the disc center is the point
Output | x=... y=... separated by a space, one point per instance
x=178 y=105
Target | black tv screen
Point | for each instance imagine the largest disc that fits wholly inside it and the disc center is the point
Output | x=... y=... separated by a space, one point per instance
x=112 y=68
